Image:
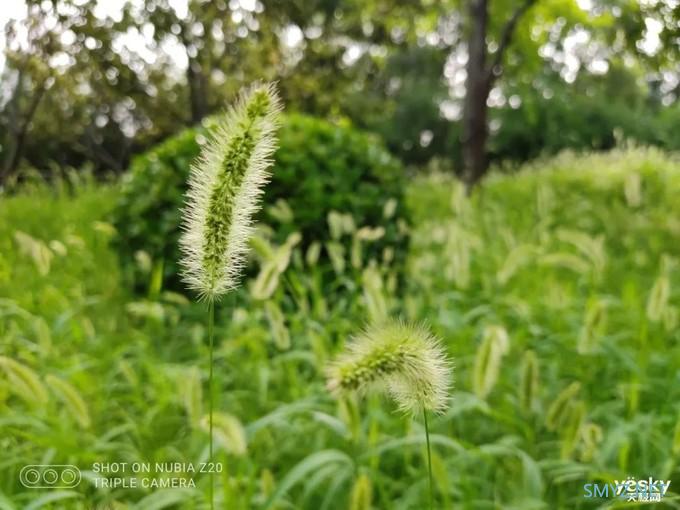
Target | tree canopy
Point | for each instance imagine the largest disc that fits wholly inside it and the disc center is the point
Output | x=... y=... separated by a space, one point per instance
x=122 y=78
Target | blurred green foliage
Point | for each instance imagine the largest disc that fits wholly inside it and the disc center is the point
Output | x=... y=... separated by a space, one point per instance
x=593 y=113
x=555 y=291
x=322 y=171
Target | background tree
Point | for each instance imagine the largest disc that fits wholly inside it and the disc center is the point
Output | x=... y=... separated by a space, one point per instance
x=28 y=77
x=470 y=83
x=482 y=71
x=77 y=63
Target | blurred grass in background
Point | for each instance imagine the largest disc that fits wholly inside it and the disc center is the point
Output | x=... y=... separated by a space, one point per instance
x=577 y=266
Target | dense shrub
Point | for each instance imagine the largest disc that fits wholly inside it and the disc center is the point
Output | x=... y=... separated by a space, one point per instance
x=319 y=167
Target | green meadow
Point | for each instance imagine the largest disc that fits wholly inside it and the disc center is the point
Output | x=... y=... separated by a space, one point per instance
x=554 y=290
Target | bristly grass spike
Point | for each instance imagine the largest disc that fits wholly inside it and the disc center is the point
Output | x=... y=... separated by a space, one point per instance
x=404 y=360
x=224 y=193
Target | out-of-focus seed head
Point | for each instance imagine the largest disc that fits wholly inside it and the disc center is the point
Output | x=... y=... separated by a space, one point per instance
x=404 y=360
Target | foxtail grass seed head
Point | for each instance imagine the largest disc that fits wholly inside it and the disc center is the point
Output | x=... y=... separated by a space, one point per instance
x=361 y=497
x=676 y=438
x=592 y=248
x=591 y=436
x=404 y=360
x=225 y=187
x=560 y=409
x=657 y=302
x=528 y=395
x=593 y=326
x=24 y=382
x=632 y=189
x=572 y=431
x=229 y=433
x=495 y=344
x=72 y=400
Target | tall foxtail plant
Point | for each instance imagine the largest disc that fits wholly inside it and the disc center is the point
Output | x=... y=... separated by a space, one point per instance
x=225 y=187
x=403 y=360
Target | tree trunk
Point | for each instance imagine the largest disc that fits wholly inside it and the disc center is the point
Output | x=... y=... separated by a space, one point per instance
x=477 y=90
x=480 y=78
x=197 y=91
x=197 y=81
x=17 y=131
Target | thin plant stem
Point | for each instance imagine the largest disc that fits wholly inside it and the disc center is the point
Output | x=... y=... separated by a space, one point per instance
x=429 y=457
x=211 y=334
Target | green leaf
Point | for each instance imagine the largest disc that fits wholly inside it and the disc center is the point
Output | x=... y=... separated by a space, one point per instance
x=307 y=466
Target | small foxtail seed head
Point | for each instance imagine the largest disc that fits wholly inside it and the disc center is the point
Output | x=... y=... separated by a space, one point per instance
x=404 y=360
x=224 y=193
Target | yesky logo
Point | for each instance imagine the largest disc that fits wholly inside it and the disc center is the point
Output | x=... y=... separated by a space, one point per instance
x=629 y=489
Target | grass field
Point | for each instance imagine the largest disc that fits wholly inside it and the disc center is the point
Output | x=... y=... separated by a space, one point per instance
x=555 y=291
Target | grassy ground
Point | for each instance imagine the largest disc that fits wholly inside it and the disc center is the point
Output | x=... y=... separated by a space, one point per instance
x=575 y=263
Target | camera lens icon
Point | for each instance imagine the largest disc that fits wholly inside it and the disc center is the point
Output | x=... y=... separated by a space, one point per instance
x=49 y=476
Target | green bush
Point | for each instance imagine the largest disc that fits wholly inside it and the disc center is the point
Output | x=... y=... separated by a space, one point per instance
x=319 y=167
